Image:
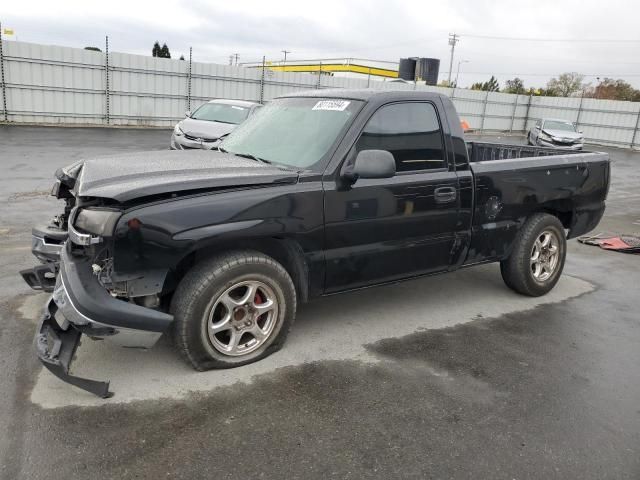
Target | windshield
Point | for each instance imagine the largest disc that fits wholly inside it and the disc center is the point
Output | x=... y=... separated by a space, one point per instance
x=559 y=125
x=296 y=132
x=221 y=112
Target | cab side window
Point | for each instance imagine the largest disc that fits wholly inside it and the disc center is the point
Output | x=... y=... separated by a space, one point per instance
x=410 y=131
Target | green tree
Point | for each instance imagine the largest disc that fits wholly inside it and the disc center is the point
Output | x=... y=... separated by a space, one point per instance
x=155 y=51
x=165 y=51
x=490 y=86
x=515 y=86
x=93 y=49
x=567 y=84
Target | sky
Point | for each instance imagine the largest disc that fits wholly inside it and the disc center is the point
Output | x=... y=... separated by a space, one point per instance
x=534 y=40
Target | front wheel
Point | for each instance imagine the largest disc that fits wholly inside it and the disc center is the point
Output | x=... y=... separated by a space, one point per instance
x=233 y=309
x=537 y=258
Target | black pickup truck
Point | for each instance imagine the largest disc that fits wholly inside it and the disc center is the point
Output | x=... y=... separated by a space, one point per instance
x=318 y=193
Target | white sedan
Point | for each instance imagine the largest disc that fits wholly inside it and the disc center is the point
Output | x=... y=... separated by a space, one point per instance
x=549 y=132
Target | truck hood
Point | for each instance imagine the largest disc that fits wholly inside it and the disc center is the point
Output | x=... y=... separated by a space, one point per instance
x=563 y=134
x=134 y=175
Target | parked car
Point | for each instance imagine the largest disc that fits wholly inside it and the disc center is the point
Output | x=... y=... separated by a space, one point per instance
x=322 y=192
x=209 y=123
x=550 y=132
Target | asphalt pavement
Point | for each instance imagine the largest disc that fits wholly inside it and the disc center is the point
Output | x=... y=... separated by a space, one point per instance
x=451 y=376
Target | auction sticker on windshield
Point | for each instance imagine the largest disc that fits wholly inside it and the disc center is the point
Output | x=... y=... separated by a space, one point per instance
x=336 y=105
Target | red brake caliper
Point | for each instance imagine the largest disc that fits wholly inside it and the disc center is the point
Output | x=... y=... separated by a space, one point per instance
x=258 y=299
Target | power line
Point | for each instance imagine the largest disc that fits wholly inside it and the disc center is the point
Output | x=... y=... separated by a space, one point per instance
x=540 y=39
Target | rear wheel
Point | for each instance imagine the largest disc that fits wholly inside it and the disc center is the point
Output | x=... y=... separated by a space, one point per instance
x=537 y=259
x=232 y=310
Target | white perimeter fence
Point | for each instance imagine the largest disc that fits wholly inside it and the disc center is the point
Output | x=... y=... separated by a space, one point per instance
x=60 y=85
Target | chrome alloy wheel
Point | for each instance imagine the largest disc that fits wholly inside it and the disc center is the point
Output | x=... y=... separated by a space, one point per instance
x=545 y=255
x=242 y=318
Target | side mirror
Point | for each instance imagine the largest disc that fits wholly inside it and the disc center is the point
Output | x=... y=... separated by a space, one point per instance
x=187 y=113
x=373 y=164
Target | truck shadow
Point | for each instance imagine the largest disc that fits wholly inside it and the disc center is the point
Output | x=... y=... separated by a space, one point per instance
x=331 y=328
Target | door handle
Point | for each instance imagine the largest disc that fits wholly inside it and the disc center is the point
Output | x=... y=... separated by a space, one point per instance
x=445 y=194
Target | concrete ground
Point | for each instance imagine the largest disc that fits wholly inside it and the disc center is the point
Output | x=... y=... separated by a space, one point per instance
x=446 y=377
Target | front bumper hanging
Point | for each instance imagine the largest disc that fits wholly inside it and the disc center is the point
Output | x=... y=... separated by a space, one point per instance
x=56 y=348
x=80 y=305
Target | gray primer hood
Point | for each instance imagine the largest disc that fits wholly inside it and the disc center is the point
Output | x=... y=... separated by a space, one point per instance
x=134 y=175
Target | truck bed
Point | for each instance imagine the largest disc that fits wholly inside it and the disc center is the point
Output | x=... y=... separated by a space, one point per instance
x=512 y=181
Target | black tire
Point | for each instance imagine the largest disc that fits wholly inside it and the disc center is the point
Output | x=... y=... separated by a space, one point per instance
x=517 y=270
x=201 y=290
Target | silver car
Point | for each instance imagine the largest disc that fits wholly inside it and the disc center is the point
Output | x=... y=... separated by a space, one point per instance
x=204 y=127
x=551 y=132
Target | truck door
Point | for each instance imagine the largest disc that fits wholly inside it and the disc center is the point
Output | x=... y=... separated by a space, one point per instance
x=386 y=229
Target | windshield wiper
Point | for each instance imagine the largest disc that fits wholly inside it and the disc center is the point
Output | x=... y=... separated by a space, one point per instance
x=252 y=157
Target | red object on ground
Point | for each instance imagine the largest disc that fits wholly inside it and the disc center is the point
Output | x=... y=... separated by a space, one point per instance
x=622 y=243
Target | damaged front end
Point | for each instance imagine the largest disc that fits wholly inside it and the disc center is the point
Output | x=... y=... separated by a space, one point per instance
x=80 y=304
x=89 y=298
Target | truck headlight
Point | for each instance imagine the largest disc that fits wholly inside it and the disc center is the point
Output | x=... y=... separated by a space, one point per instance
x=177 y=130
x=97 y=221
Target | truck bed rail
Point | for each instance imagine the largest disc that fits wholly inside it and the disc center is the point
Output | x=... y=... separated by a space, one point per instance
x=483 y=151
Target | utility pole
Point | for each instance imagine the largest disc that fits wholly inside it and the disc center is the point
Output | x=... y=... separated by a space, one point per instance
x=285 y=56
x=230 y=59
x=453 y=39
x=236 y=56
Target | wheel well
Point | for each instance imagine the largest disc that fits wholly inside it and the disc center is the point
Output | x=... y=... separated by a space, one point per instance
x=286 y=252
x=562 y=212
